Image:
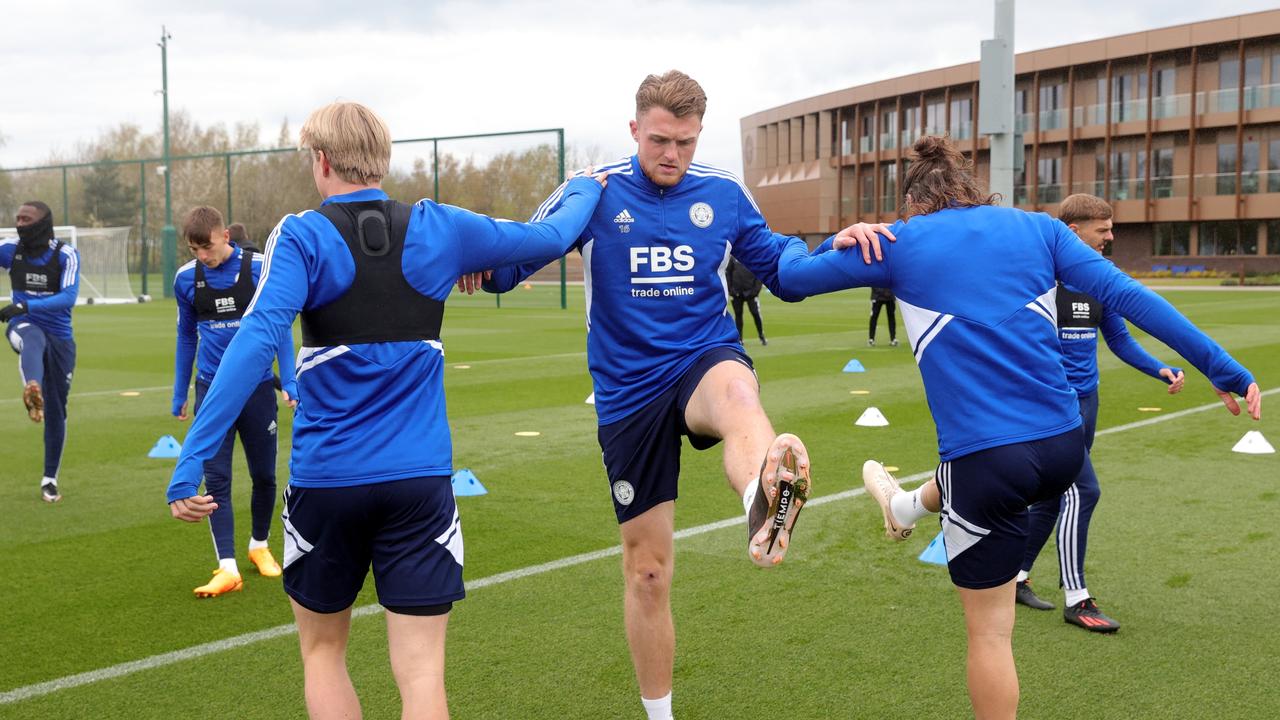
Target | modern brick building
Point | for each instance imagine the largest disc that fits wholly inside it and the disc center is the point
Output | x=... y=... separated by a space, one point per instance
x=1179 y=128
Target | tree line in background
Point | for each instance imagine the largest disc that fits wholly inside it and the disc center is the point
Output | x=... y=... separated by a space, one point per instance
x=263 y=187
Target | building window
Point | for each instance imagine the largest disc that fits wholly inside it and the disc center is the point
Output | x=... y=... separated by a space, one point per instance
x=1020 y=186
x=1022 y=115
x=888 y=129
x=889 y=186
x=1128 y=97
x=1273 y=165
x=910 y=125
x=868 y=196
x=1228 y=93
x=935 y=118
x=1272 y=94
x=1049 y=179
x=961 y=119
x=1162 y=173
x=1052 y=101
x=1120 y=187
x=1171 y=239
x=1273 y=237
x=1229 y=238
x=1164 y=102
x=868 y=132
x=1226 y=179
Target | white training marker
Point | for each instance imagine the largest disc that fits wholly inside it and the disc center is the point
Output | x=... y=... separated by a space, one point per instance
x=528 y=433
x=1148 y=409
x=871 y=417
x=461 y=367
x=859 y=392
x=1253 y=444
x=130 y=393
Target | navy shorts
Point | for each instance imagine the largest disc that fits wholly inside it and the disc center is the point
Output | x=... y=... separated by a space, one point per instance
x=408 y=529
x=642 y=450
x=985 y=496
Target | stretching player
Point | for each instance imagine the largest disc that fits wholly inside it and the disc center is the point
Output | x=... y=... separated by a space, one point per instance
x=1079 y=319
x=44 y=273
x=666 y=360
x=1008 y=421
x=213 y=292
x=372 y=454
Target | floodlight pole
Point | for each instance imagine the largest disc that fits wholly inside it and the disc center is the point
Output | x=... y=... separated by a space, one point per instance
x=169 y=235
x=995 y=101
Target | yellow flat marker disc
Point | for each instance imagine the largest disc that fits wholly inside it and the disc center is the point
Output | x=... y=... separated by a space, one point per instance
x=1148 y=409
x=528 y=433
x=859 y=392
x=130 y=393
x=891 y=468
x=461 y=367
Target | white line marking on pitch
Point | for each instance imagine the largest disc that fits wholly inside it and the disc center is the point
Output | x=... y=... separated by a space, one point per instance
x=86 y=678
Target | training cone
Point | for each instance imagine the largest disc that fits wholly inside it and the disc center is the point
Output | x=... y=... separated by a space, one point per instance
x=166 y=447
x=871 y=417
x=465 y=482
x=936 y=552
x=591 y=399
x=854 y=366
x=1253 y=444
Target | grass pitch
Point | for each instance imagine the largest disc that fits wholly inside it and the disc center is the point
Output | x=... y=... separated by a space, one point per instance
x=1182 y=551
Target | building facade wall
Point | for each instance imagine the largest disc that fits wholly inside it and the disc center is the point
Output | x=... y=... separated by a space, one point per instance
x=1179 y=128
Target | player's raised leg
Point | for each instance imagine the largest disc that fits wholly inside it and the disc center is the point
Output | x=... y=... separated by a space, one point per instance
x=648 y=563
x=323 y=640
x=770 y=473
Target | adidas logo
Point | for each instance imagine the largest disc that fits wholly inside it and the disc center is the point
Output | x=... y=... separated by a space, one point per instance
x=623 y=217
x=271 y=429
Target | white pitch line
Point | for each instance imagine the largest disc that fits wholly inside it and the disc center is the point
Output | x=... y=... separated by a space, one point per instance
x=94 y=393
x=86 y=678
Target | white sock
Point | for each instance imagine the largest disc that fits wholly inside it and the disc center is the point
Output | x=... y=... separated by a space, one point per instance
x=749 y=498
x=659 y=709
x=255 y=543
x=1023 y=575
x=229 y=565
x=1075 y=597
x=46 y=480
x=908 y=507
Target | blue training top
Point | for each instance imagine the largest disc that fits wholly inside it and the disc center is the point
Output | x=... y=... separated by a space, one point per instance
x=654 y=261
x=50 y=311
x=1080 y=316
x=374 y=412
x=977 y=289
x=213 y=336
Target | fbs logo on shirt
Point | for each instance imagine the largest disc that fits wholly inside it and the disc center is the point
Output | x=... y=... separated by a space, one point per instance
x=37 y=279
x=224 y=304
x=1080 y=311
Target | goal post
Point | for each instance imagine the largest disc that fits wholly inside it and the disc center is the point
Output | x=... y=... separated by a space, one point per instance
x=104 y=266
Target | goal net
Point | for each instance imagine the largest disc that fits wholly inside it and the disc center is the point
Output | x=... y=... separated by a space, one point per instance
x=104 y=269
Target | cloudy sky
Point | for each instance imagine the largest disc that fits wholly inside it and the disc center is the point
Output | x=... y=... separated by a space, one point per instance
x=72 y=69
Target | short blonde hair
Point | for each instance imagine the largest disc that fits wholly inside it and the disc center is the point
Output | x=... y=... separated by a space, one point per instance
x=1081 y=207
x=354 y=139
x=673 y=91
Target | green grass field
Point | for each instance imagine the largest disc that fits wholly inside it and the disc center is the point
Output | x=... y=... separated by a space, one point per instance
x=1183 y=548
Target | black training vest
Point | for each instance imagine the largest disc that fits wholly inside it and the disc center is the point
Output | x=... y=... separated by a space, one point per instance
x=26 y=276
x=1077 y=310
x=227 y=303
x=380 y=305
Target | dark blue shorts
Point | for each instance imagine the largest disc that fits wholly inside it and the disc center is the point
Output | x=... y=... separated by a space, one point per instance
x=408 y=529
x=985 y=496
x=642 y=450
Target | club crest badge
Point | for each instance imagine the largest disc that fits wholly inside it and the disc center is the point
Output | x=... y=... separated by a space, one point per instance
x=700 y=214
x=623 y=492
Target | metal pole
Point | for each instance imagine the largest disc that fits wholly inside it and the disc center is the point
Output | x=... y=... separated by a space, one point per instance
x=996 y=106
x=142 y=184
x=169 y=235
x=228 y=164
x=564 y=300
x=66 y=203
x=435 y=169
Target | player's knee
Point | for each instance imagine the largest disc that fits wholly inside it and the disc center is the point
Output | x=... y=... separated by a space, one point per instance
x=742 y=397
x=649 y=577
x=1089 y=494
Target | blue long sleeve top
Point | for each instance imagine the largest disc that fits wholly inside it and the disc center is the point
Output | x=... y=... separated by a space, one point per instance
x=976 y=287
x=372 y=412
x=205 y=341
x=50 y=311
x=654 y=260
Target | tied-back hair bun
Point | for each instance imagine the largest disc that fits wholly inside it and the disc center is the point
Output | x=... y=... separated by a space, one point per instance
x=940 y=177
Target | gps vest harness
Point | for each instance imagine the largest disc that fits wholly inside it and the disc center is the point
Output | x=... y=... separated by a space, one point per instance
x=1077 y=310
x=380 y=305
x=227 y=303
x=28 y=277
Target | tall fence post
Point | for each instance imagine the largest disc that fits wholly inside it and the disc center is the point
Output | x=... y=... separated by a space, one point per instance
x=66 y=202
x=564 y=300
x=227 y=159
x=142 y=186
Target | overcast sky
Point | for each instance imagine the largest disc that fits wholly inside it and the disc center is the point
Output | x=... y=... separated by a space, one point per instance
x=73 y=69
